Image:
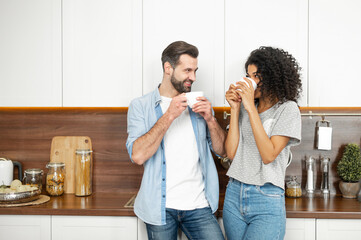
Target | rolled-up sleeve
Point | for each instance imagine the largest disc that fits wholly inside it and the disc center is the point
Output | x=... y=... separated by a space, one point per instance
x=135 y=125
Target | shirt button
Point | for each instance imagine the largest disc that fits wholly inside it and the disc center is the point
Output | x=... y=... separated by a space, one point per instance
x=163 y=196
x=163 y=162
x=163 y=179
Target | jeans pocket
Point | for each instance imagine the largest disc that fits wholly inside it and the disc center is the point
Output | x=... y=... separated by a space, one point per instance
x=271 y=190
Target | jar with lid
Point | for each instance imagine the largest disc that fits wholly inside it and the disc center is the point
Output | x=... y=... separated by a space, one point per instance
x=33 y=177
x=293 y=188
x=83 y=172
x=55 y=178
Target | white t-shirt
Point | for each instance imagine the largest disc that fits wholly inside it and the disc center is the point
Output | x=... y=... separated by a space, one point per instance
x=185 y=185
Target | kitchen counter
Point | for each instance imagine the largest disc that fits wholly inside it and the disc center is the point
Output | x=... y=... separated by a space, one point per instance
x=97 y=204
x=109 y=204
x=327 y=208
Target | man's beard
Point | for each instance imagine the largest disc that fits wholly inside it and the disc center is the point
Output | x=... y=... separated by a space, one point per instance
x=179 y=85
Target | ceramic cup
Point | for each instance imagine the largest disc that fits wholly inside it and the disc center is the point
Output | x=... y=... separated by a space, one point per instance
x=253 y=83
x=192 y=97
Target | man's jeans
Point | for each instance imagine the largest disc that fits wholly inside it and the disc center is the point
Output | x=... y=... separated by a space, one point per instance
x=254 y=212
x=196 y=224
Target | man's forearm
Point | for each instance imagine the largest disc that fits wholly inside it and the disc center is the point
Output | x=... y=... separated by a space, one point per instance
x=146 y=146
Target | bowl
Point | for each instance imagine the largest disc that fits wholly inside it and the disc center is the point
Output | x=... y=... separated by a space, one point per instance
x=19 y=197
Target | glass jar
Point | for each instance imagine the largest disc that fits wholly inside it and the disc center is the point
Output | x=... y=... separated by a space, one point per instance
x=33 y=177
x=293 y=188
x=55 y=178
x=83 y=172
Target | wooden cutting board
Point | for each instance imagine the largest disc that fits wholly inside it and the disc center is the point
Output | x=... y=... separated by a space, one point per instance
x=63 y=150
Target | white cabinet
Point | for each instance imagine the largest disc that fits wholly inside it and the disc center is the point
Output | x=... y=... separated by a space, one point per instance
x=334 y=50
x=105 y=53
x=93 y=228
x=200 y=23
x=335 y=229
x=277 y=23
x=300 y=229
x=102 y=46
x=39 y=227
x=30 y=53
x=29 y=227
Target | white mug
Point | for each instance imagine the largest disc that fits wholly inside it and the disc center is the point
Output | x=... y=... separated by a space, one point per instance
x=192 y=97
x=254 y=84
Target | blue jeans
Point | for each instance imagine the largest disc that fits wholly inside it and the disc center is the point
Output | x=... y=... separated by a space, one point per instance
x=196 y=224
x=254 y=212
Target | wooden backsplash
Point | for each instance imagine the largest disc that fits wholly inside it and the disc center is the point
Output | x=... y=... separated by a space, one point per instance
x=26 y=133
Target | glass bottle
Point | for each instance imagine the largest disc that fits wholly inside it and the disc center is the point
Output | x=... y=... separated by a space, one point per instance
x=325 y=168
x=293 y=188
x=83 y=172
x=33 y=177
x=55 y=178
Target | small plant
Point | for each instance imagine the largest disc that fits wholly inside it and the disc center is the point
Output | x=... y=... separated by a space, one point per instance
x=349 y=167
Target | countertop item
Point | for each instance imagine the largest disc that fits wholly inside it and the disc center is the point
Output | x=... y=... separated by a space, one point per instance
x=33 y=177
x=113 y=204
x=42 y=199
x=63 y=150
x=7 y=171
x=83 y=172
x=19 y=197
x=55 y=178
x=293 y=188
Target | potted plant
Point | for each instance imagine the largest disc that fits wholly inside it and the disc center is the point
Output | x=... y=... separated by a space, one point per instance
x=349 y=170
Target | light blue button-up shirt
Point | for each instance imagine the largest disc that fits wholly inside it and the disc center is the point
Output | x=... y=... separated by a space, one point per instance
x=143 y=113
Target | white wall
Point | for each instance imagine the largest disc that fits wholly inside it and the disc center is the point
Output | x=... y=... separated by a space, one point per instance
x=105 y=53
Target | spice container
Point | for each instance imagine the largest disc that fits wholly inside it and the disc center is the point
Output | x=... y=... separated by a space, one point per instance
x=325 y=169
x=310 y=166
x=83 y=172
x=33 y=177
x=55 y=178
x=293 y=188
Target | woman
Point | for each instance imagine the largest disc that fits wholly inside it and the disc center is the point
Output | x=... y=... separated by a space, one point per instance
x=264 y=124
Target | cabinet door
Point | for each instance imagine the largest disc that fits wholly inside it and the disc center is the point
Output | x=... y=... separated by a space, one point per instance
x=200 y=23
x=335 y=36
x=335 y=229
x=30 y=53
x=102 y=52
x=300 y=229
x=29 y=227
x=277 y=23
x=93 y=228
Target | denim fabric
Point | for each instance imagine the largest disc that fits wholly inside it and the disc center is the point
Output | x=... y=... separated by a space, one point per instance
x=254 y=212
x=149 y=204
x=196 y=224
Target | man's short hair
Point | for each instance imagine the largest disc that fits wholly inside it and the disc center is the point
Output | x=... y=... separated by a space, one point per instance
x=174 y=50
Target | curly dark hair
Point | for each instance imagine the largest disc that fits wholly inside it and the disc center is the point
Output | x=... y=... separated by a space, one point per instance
x=279 y=74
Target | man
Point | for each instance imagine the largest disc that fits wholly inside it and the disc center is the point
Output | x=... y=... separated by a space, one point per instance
x=180 y=183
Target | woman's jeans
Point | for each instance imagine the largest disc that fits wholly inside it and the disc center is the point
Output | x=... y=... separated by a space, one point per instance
x=196 y=224
x=254 y=212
